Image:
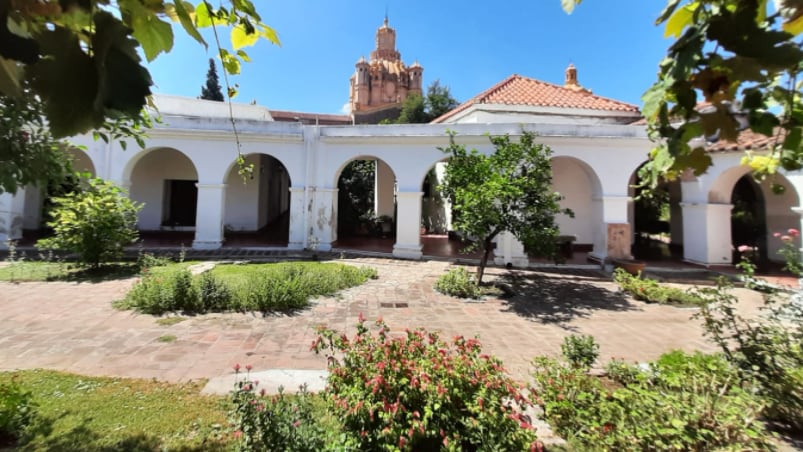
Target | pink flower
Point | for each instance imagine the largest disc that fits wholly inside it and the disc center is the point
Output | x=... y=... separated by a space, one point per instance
x=236 y=367
x=744 y=248
x=786 y=238
x=777 y=235
x=238 y=434
x=793 y=232
x=248 y=367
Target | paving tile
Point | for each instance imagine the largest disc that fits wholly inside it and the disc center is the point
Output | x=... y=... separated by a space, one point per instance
x=73 y=327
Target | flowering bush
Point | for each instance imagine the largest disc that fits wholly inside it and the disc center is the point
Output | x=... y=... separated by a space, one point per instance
x=417 y=392
x=274 y=422
x=790 y=251
x=458 y=282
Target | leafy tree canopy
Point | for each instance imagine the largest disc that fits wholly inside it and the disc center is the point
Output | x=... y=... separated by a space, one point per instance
x=509 y=190
x=419 y=110
x=28 y=152
x=82 y=60
x=734 y=63
x=212 y=89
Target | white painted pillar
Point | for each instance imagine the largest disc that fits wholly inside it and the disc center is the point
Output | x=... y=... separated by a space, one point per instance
x=613 y=239
x=323 y=220
x=510 y=251
x=385 y=186
x=408 y=226
x=295 y=239
x=12 y=212
x=707 y=233
x=209 y=216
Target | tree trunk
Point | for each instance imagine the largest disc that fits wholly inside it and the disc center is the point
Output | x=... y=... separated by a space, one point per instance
x=484 y=261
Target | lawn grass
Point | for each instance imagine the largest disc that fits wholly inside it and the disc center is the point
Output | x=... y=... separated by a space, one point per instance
x=83 y=413
x=30 y=271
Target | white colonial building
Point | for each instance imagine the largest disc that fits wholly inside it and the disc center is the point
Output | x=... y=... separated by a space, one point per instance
x=189 y=180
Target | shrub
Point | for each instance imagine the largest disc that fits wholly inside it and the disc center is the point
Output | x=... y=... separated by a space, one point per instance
x=767 y=349
x=275 y=422
x=580 y=351
x=270 y=287
x=621 y=372
x=95 y=222
x=214 y=295
x=458 y=282
x=418 y=392
x=650 y=291
x=684 y=402
x=17 y=412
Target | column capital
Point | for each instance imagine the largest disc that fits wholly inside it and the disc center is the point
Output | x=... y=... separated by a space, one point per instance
x=297 y=189
x=798 y=210
x=325 y=190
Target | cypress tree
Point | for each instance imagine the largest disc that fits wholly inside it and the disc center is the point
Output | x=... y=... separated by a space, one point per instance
x=212 y=90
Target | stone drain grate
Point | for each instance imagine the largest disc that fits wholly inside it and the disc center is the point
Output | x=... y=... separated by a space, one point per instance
x=394 y=305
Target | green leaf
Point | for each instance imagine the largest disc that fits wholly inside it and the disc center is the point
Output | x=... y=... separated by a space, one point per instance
x=667 y=12
x=203 y=18
x=68 y=83
x=568 y=5
x=183 y=11
x=154 y=35
x=794 y=27
x=269 y=34
x=681 y=19
x=653 y=98
x=241 y=38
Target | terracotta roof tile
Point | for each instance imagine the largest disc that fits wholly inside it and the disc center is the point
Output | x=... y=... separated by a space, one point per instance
x=518 y=90
x=748 y=140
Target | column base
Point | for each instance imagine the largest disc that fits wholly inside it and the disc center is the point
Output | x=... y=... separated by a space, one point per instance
x=408 y=251
x=295 y=246
x=515 y=261
x=206 y=245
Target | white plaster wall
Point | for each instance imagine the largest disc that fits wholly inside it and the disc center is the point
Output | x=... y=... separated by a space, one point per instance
x=147 y=183
x=32 y=215
x=243 y=198
x=572 y=182
x=779 y=215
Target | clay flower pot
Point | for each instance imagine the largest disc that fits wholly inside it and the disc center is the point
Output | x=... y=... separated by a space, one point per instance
x=631 y=266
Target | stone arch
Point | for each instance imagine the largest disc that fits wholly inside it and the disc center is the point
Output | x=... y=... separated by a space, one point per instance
x=257 y=202
x=81 y=161
x=165 y=180
x=581 y=189
x=436 y=211
x=759 y=210
x=656 y=221
x=356 y=197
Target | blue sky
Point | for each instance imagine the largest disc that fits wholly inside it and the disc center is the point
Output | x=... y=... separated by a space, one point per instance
x=469 y=46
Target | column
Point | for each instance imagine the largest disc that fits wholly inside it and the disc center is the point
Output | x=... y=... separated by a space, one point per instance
x=385 y=186
x=295 y=240
x=323 y=220
x=408 y=226
x=614 y=238
x=707 y=233
x=209 y=216
x=510 y=251
x=12 y=212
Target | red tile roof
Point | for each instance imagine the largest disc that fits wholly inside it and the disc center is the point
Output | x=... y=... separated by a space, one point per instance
x=748 y=140
x=518 y=90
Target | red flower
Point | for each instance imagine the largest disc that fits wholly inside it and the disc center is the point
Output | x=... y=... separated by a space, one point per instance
x=236 y=367
x=793 y=232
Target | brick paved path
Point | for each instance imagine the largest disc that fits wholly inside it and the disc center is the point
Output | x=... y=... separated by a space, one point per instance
x=72 y=326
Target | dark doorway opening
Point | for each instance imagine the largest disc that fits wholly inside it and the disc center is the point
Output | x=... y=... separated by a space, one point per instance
x=181 y=198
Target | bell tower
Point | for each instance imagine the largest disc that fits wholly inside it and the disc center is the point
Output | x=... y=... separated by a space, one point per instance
x=379 y=86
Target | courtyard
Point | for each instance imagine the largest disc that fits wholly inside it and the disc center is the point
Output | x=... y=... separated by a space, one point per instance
x=73 y=327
